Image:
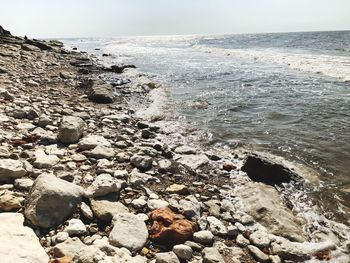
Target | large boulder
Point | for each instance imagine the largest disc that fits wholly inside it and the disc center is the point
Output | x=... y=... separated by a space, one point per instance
x=263 y=202
x=262 y=169
x=100 y=91
x=129 y=231
x=52 y=200
x=71 y=129
x=11 y=169
x=18 y=243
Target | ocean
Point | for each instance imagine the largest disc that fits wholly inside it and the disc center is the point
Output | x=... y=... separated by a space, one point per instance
x=283 y=93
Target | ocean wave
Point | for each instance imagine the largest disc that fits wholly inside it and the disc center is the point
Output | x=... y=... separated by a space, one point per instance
x=332 y=66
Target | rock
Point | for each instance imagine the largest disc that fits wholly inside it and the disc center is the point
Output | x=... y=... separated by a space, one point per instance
x=91 y=141
x=51 y=201
x=23 y=184
x=258 y=254
x=139 y=203
x=105 y=208
x=4 y=32
x=166 y=257
x=144 y=163
x=61 y=237
x=216 y=226
x=86 y=211
x=169 y=227
x=185 y=150
x=71 y=129
x=156 y=203
x=103 y=184
x=242 y=241
x=191 y=207
x=261 y=169
x=129 y=231
x=100 y=91
x=18 y=243
x=10 y=202
x=213 y=207
x=43 y=161
x=101 y=152
x=212 y=255
x=229 y=166
x=178 y=189
x=295 y=251
x=194 y=161
x=61 y=260
x=203 y=237
x=183 y=251
x=264 y=204
x=11 y=169
x=75 y=227
x=260 y=239
x=137 y=179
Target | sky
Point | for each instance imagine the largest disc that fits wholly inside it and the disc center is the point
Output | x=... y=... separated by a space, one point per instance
x=110 y=18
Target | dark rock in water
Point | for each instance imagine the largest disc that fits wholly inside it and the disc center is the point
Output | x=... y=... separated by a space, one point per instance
x=263 y=170
x=119 y=68
x=105 y=55
x=40 y=44
x=4 y=32
x=100 y=91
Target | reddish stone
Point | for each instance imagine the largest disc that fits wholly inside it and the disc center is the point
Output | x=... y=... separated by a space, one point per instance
x=229 y=166
x=171 y=228
x=62 y=260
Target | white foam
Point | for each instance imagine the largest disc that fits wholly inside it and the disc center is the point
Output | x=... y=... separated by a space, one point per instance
x=332 y=66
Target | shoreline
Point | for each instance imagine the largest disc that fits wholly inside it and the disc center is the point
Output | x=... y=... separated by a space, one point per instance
x=121 y=181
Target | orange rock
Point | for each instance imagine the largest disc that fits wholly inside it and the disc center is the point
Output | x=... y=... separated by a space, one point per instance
x=62 y=260
x=229 y=166
x=171 y=228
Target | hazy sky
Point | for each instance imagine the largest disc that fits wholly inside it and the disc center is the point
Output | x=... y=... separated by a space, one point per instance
x=102 y=18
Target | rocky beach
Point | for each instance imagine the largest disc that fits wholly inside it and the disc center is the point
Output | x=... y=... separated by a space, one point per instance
x=90 y=171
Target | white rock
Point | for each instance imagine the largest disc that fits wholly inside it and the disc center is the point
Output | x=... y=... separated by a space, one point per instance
x=216 y=226
x=42 y=160
x=75 y=227
x=11 y=169
x=103 y=184
x=91 y=141
x=203 y=237
x=129 y=231
x=86 y=211
x=156 y=203
x=18 y=243
x=212 y=255
x=166 y=257
x=183 y=251
x=144 y=163
x=194 y=161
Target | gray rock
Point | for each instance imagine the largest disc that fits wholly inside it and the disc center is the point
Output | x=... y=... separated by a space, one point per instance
x=105 y=208
x=91 y=141
x=103 y=184
x=191 y=207
x=156 y=203
x=137 y=179
x=61 y=237
x=194 y=161
x=203 y=237
x=166 y=257
x=100 y=91
x=242 y=241
x=18 y=243
x=42 y=160
x=260 y=238
x=144 y=163
x=101 y=152
x=216 y=226
x=129 y=231
x=75 y=227
x=51 y=201
x=23 y=184
x=185 y=150
x=212 y=255
x=86 y=211
x=183 y=251
x=11 y=169
x=71 y=129
x=258 y=254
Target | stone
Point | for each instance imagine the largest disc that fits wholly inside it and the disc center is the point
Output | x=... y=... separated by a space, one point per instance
x=166 y=257
x=183 y=251
x=139 y=203
x=122 y=157
x=101 y=152
x=23 y=184
x=261 y=169
x=61 y=237
x=75 y=227
x=260 y=239
x=103 y=184
x=228 y=166
x=71 y=129
x=44 y=161
x=105 y=208
x=191 y=207
x=91 y=141
x=137 y=179
x=213 y=208
x=10 y=202
x=156 y=203
x=203 y=237
x=144 y=163
x=11 y=169
x=168 y=227
x=86 y=211
x=212 y=255
x=100 y=91
x=242 y=241
x=178 y=189
x=264 y=204
x=185 y=150
x=216 y=226
x=51 y=201
x=258 y=254
x=194 y=161
x=128 y=231
x=18 y=243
